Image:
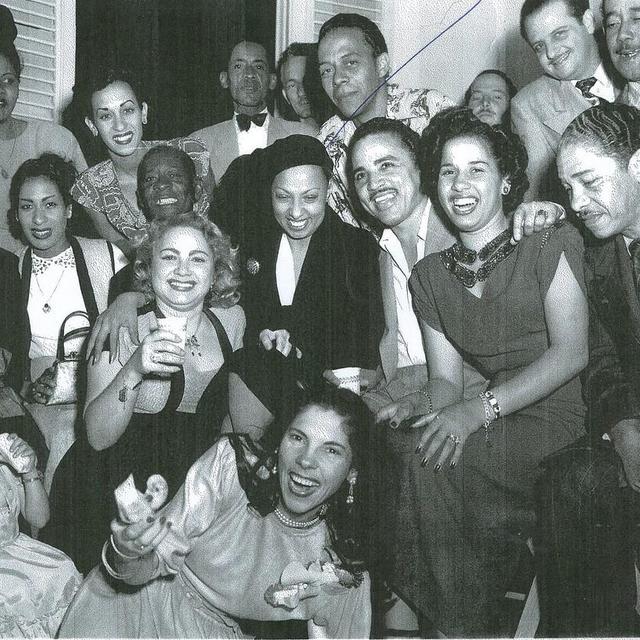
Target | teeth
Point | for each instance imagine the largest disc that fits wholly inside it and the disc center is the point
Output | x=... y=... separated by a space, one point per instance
x=384 y=197
x=464 y=202
x=123 y=139
x=41 y=233
x=297 y=225
x=181 y=286
x=164 y=201
x=303 y=481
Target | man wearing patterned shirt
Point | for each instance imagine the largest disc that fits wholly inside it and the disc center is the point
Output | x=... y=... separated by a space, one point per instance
x=354 y=67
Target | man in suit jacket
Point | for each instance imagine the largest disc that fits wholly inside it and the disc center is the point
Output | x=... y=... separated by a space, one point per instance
x=622 y=33
x=588 y=524
x=561 y=34
x=249 y=79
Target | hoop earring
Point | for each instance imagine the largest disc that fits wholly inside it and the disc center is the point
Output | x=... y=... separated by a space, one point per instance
x=350 y=498
x=506 y=189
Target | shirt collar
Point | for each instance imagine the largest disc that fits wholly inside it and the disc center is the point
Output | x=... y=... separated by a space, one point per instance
x=603 y=87
x=389 y=236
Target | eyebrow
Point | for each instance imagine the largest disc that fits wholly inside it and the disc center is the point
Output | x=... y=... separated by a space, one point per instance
x=121 y=105
x=253 y=60
x=172 y=250
x=332 y=443
x=53 y=195
x=580 y=174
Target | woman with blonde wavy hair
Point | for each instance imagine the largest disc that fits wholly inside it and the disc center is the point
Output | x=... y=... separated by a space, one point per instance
x=157 y=406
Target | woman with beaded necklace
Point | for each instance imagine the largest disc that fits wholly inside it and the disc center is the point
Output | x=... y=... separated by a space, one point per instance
x=518 y=313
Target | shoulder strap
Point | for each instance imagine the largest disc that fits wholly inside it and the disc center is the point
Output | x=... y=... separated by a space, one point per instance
x=223 y=338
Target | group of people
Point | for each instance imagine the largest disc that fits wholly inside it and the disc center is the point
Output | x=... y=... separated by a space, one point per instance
x=337 y=371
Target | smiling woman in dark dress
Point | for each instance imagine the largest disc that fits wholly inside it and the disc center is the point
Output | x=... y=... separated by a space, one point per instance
x=517 y=313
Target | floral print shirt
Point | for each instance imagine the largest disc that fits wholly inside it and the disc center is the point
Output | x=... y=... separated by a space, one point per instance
x=414 y=107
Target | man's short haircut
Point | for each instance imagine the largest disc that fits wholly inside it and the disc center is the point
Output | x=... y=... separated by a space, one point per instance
x=168 y=150
x=614 y=129
x=511 y=87
x=575 y=8
x=370 y=30
x=295 y=49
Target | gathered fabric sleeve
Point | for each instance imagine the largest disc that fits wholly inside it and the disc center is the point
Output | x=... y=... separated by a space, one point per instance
x=85 y=189
x=421 y=286
x=211 y=481
x=346 y=614
x=555 y=242
x=196 y=150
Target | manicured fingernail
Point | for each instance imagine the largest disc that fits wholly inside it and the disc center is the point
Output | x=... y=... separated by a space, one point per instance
x=437 y=468
x=452 y=464
x=162 y=520
x=150 y=519
x=148 y=498
x=424 y=462
x=393 y=424
x=419 y=448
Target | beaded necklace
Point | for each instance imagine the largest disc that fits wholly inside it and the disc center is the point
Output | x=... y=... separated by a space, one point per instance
x=492 y=254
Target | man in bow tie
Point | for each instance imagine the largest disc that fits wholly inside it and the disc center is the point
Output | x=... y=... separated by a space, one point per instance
x=561 y=34
x=250 y=79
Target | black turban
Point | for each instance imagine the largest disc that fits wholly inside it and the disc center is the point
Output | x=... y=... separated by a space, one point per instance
x=295 y=151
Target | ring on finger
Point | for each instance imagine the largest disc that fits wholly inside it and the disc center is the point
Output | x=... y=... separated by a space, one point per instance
x=454 y=438
x=142 y=546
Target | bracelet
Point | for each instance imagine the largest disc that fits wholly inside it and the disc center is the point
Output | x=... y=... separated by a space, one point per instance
x=423 y=391
x=38 y=477
x=489 y=416
x=495 y=407
x=122 y=555
x=109 y=569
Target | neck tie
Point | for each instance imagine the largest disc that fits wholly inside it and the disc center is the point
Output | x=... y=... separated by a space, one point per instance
x=585 y=86
x=634 y=250
x=244 y=121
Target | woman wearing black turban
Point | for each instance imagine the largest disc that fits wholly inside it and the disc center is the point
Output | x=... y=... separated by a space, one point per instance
x=311 y=288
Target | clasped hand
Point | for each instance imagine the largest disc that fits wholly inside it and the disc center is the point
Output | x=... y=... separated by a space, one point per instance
x=160 y=353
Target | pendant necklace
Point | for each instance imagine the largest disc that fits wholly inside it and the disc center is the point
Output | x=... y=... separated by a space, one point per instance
x=46 y=307
x=192 y=340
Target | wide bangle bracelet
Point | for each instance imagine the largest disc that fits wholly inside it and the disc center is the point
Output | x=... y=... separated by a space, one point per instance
x=124 y=556
x=493 y=402
x=37 y=478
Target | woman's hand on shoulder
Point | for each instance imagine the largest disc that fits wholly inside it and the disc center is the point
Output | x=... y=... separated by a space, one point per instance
x=280 y=339
x=140 y=538
x=447 y=431
x=401 y=410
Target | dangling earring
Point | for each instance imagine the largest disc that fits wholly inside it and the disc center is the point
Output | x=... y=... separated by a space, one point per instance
x=352 y=482
x=506 y=189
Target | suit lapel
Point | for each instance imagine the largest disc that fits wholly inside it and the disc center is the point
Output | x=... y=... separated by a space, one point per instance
x=628 y=285
x=564 y=105
x=389 y=342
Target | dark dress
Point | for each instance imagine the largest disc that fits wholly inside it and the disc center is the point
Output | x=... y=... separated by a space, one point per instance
x=167 y=442
x=335 y=318
x=458 y=535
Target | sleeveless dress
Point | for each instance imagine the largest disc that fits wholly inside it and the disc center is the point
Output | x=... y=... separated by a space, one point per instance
x=37 y=582
x=167 y=442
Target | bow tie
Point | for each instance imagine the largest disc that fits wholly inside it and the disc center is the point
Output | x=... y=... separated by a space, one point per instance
x=585 y=86
x=244 y=121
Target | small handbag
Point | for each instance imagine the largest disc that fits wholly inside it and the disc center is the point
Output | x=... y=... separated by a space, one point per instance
x=67 y=367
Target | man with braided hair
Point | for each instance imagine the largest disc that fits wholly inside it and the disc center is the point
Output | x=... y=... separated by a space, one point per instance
x=589 y=524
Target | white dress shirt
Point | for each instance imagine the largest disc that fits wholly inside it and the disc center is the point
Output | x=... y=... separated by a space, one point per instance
x=254 y=138
x=603 y=88
x=410 y=346
x=285 y=274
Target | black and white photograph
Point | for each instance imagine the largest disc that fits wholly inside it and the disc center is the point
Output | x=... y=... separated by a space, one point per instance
x=319 y=319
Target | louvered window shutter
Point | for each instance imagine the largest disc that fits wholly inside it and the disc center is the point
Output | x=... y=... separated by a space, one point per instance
x=46 y=44
x=324 y=9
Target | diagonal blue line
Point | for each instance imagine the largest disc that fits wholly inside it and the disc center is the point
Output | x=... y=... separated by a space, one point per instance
x=415 y=55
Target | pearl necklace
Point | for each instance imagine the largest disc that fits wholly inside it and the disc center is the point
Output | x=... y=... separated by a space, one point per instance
x=295 y=524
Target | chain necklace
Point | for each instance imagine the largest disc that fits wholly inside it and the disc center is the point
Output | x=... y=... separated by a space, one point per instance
x=192 y=340
x=46 y=307
x=492 y=254
x=295 y=524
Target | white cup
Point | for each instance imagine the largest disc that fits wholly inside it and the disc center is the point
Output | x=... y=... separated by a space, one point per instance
x=177 y=325
x=349 y=378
